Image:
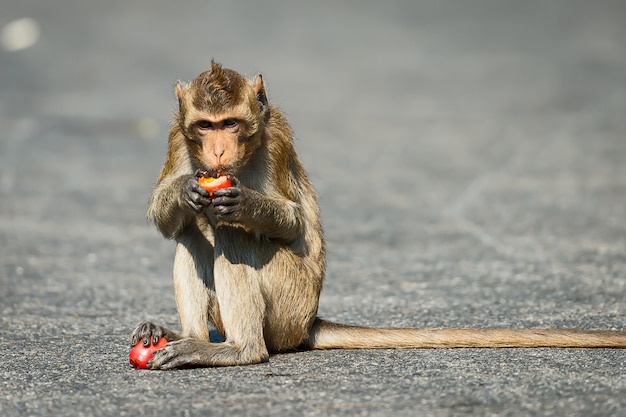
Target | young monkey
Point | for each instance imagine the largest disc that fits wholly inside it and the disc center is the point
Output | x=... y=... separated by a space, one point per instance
x=250 y=259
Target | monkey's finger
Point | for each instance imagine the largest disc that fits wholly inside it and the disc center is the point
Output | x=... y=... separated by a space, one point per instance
x=225 y=201
x=228 y=213
x=143 y=332
x=227 y=192
x=193 y=206
x=194 y=187
x=197 y=202
x=200 y=200
x=225 y=210
x=234 y=181
x=201 y=173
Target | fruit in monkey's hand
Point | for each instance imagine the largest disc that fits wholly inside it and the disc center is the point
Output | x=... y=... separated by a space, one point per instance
x=211 y=184
x=140 y=354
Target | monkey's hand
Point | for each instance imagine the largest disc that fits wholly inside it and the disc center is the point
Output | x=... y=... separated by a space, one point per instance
x=227 y=203
x=273 y=218
x=149 y=333
x=194 y=196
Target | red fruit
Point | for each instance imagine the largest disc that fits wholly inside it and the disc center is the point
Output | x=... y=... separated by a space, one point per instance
x=140 y=354
x=211 y=184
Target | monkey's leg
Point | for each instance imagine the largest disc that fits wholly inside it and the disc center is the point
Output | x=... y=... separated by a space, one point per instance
x=193 y=283
x=193 y=287
x=241 y=306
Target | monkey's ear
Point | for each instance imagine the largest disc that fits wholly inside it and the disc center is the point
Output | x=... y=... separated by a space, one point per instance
x=259 y=90
x=179 y=89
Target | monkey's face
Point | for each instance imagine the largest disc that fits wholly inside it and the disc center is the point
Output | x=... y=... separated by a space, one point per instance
x=219 y=143
x=221 y=117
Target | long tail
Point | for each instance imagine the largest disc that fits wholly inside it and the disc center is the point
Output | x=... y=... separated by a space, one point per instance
x=327 y=335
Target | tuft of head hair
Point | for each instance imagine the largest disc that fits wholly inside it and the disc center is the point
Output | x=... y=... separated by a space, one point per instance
x=219 y=89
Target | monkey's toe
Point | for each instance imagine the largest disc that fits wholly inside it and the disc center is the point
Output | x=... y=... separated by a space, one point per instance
x=180 y=354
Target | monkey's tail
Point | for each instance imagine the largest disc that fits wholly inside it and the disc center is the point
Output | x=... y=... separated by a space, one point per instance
x=327 y=335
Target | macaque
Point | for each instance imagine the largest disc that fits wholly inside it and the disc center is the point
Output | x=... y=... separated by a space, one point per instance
x=250 y=258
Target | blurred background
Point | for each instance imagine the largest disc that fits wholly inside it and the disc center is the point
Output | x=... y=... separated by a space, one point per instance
x=470 y=157
x=432 y=129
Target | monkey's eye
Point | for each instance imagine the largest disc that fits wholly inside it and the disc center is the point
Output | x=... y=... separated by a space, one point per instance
x=230 y=123
x=204 y=124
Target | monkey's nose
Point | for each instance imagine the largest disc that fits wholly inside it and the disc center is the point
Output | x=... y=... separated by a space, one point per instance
x=218 y=152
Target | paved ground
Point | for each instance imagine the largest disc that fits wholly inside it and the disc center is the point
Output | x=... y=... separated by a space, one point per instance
x=470 y=157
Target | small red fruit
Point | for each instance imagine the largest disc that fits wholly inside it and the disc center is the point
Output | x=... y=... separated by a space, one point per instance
x=211 y=184
x=140 y=354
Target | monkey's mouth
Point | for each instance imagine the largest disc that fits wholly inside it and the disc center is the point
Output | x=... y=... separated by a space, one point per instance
x=220 y=171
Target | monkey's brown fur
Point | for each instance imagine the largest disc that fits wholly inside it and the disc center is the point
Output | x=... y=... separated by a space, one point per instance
x=251 y=261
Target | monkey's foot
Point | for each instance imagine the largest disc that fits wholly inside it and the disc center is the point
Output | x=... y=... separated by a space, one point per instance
x=184 y=353
x=191 y=353
x=149 y=333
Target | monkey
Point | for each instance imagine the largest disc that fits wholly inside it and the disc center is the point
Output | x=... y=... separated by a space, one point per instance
x=250 y=259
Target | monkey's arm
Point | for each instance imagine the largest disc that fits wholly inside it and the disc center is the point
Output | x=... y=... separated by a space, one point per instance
x=275 y=218
x=177 y=198
x=175 y=202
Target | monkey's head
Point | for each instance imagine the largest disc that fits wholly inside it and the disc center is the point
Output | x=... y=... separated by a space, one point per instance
x=222 y=115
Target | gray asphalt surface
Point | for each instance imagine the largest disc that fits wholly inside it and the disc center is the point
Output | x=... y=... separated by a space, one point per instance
x=470 y=158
